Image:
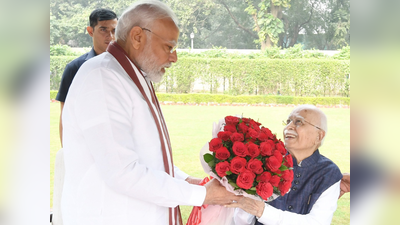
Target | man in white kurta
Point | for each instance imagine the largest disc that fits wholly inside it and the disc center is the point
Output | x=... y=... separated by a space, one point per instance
x=114 y=166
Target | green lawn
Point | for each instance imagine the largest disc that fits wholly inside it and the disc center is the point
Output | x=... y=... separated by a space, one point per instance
x=190 y=128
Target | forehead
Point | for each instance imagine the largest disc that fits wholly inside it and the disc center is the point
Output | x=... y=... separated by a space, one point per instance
x=166 y=28
x=107 y=23
x=306 y=113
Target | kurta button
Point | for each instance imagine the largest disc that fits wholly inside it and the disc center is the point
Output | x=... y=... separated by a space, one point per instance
x=296 y=182
x=290 y=207
x=295 y=188
x=298 y=175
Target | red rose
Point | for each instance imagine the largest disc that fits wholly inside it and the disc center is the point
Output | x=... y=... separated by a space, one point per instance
x=231 y=120
x=278 y=156
x=253 y=134
x=215 y=144
x=281 y=148
x=253 y=149
x=238 y=164
x=265 y=149
x=237 y=137
x=222 y=168
x=255 y=125
x=273 y=164
x=287 y=175
x=230 y=128
x=262 y=137
x=224 y=135
x=245 y=120
x=284 y=187
x=275 y=180
x=264 y=177
x=288 y=161
x=267 y=132
x=264 y=190
x=243 y=127
x=255 y=166
x=245 y=179
x=240 y=149
x=222 y=153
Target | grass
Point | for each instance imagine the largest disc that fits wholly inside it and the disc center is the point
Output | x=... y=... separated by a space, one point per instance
x=190 y=128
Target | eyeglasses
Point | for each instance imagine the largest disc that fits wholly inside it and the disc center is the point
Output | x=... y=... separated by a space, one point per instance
x=298 y=122
x=171 y=49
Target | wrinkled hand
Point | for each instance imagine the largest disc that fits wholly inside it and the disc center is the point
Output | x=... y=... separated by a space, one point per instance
x=193 y=180
x=345 y=184
x=254 y=207
x=218 y=195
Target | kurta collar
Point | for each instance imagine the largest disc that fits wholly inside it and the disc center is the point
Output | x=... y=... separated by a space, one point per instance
x=311 y=160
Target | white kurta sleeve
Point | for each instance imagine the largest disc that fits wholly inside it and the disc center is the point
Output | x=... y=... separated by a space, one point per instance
x=321 y=213
x=180 y=174
x=103 y=114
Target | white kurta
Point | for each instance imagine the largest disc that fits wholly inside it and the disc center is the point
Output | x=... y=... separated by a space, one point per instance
x=114 y=171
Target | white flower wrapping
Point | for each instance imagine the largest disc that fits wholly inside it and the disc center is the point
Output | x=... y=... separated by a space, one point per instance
x=219 y=215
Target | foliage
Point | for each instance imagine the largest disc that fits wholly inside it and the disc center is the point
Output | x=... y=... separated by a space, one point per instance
x=62 y=50
x=344 y=54
x=251 y=99
x=53 y=94
x=267 y=20
x=237 y=76
x=57 y=66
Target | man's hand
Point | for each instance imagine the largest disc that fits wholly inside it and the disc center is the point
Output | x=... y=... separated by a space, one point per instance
x=218 y=195
x=193 y=180
x=249 y=205
x=345 y=184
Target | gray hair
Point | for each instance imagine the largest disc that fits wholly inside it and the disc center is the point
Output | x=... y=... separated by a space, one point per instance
x=142 y=14
x=323 y=120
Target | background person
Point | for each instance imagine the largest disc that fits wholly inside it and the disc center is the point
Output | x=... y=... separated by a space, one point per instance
x=102 y=30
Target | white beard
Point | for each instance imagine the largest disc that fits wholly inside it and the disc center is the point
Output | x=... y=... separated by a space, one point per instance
x=148 y=63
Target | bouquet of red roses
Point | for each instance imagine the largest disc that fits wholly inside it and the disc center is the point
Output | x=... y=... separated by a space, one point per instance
x=251 y=158
x=248 y=160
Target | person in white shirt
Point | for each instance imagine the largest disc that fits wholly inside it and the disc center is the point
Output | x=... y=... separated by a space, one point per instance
x=117 y=151
x=315 y=189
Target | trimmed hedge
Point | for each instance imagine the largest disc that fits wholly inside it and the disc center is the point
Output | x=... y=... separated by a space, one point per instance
x=287 y=77
x=251 y=99
x=53 y=94
x=248 y=99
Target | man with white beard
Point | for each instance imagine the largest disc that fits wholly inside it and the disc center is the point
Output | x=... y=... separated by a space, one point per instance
x=118 y=157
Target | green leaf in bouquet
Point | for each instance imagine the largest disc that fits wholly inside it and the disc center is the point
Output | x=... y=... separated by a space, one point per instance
x=228 y=172
x=251 y=192
x=211 y=164
x=233 y=184
x=253 y=189
x=283 y=168
x=208 y=157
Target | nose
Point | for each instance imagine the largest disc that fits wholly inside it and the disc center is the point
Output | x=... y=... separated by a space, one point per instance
x=173 y=57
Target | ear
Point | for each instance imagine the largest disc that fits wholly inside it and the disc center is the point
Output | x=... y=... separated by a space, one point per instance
x=90 y=30
x=321 y=135
x=137 y=37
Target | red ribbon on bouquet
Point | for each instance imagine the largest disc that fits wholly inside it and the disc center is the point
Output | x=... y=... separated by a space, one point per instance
x=195 y=215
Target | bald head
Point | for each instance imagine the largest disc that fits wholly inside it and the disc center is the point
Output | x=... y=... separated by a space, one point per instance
x=316 y=117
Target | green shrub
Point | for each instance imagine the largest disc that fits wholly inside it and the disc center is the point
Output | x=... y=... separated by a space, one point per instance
x=53 y=94
x=62 y=50
x=251 y=99
x=307 y=77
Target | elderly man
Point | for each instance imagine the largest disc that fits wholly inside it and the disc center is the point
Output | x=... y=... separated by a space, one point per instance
x=118 y=157
x=316 y=184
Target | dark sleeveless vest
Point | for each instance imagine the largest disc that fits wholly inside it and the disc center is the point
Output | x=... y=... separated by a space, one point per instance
x=312 y=177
